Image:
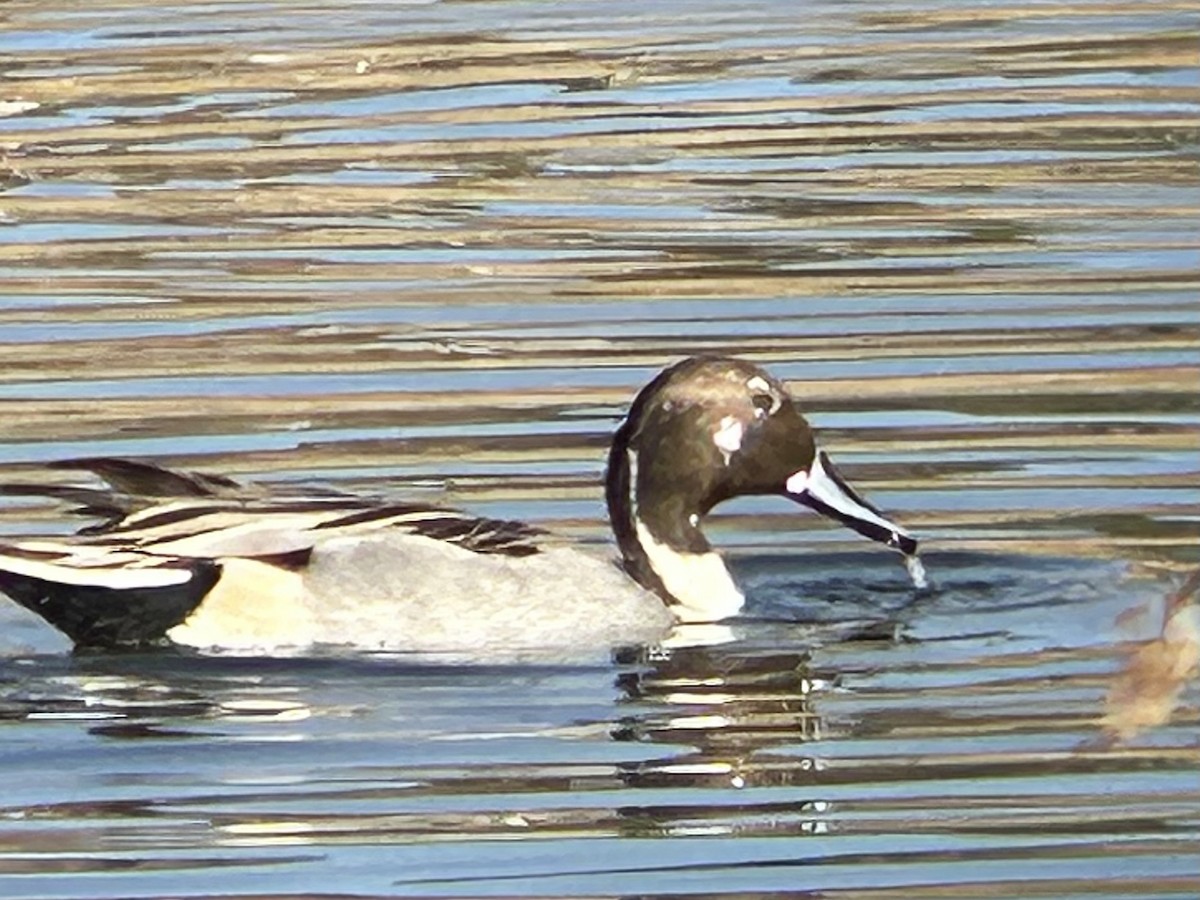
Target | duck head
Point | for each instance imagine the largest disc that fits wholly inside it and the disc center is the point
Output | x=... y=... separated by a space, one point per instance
x=704 y=431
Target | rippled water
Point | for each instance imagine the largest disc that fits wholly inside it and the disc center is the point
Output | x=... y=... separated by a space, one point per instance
x=434 y=248
x=780 y=761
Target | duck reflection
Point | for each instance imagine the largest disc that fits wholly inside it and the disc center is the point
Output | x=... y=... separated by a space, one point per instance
x=730 y=717
x=723 y=699
x=688 y=726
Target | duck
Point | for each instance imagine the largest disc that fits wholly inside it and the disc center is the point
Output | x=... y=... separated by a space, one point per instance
x=190 y=560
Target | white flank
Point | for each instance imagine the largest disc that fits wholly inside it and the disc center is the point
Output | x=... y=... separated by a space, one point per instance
x=94 y=575
x=254 y=606
x=700 y=582
x=728 y=437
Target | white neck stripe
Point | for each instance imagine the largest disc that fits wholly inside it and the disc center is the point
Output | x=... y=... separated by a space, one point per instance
x=699 y=582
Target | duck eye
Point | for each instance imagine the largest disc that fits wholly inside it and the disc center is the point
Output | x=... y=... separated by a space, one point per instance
x=765 y=404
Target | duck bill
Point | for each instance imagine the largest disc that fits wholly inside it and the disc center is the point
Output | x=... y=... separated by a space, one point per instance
x=822 y=488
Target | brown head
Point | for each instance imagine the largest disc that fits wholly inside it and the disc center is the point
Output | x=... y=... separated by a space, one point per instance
x=704 y=431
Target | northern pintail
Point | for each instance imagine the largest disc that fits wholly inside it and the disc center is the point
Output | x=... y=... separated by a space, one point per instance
x=206 y=562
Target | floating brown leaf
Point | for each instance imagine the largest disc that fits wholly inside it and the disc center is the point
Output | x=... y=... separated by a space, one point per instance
x=1147 y=689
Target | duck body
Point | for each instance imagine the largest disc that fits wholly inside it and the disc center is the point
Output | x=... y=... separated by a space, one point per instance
x=288 y=574
x=204 y=562
x=428 y=597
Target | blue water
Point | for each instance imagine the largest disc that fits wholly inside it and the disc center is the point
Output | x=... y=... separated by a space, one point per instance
x=433 y=249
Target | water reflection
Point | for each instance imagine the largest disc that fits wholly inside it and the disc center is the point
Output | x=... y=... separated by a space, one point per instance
x=951 y=719
x=965 y=236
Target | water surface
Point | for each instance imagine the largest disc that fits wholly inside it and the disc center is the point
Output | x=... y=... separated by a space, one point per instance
x=432 y=249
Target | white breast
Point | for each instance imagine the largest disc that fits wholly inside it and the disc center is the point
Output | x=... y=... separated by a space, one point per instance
x=699 y=581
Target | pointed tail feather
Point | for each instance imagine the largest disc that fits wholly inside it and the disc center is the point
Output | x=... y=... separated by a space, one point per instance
x=92 y=502
x=132 y=486
x=149 y=480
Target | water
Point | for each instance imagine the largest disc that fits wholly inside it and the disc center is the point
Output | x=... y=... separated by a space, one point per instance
x=433 y=249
